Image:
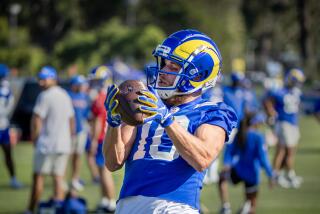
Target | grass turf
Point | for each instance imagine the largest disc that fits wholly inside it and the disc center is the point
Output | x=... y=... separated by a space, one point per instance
x=277 y=200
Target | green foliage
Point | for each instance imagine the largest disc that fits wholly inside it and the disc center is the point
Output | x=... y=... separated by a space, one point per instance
x=110 y=40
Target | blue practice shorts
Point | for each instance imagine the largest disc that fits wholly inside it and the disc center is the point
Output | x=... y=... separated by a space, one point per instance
x=99 y=156
x=4 y=136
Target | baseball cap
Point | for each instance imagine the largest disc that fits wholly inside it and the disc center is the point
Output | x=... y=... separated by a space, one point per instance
x=78 y=80
x=47 y=72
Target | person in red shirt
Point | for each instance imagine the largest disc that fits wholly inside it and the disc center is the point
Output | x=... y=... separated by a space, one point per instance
x=98 y=80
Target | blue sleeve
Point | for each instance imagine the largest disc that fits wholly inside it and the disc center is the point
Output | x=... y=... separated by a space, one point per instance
x=223 y=116
x=263 y=156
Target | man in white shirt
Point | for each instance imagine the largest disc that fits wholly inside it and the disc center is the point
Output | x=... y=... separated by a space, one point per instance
x=52 y=126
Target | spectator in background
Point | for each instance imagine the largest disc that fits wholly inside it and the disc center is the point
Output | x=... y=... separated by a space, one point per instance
x=282 y=106
x=247 y=155
x=6 y=106
x=80 y=102
x=52 y=125
x=99 y=78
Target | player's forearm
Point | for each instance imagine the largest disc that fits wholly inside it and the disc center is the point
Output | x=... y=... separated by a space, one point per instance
x=194 y=150
x=114 y=149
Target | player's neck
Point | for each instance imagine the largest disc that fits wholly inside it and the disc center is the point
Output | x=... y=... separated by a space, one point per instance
x=181 y=99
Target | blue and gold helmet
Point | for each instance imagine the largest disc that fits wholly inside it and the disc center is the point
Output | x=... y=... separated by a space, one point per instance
x=100 y=76
x=294 y=77
x=198 y=56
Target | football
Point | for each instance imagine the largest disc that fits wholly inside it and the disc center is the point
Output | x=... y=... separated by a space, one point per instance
x=128 y=104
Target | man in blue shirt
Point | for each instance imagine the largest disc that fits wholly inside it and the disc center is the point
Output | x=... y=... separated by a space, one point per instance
x=6 y=107
x=166 y=157
x=283 y=105
x=80 y=102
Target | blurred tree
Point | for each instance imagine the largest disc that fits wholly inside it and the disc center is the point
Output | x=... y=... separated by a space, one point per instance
x=87 y=32
x=284 y=30
x=111 y=40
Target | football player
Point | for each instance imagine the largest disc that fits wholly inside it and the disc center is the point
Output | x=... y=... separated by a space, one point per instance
x=6 y=107
x=166 y=158
x=244 y=160
x=99 y=79
x=283 y=105
x=80 y=102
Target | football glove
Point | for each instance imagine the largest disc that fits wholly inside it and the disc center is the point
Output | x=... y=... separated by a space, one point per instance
x=152 y=105
x=111 y=104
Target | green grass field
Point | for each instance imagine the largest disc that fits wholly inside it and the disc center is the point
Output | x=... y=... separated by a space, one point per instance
x=277 y=200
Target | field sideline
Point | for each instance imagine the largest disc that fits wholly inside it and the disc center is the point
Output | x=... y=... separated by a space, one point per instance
x=278 y=200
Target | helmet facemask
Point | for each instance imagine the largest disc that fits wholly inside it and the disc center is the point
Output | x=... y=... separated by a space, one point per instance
x=187 y=75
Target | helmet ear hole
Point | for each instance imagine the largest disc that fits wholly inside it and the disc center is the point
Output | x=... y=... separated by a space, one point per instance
x=203 y=75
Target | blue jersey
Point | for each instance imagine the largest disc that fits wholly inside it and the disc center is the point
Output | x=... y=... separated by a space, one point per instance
x=154 y=167
x=6 y=104
x=80 y=102
x=234 y=97
x=248 y=160
x=286 y=103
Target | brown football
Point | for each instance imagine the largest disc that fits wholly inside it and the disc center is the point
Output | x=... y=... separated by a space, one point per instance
x=128 y=105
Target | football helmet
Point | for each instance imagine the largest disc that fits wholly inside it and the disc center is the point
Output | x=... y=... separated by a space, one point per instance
x=294 y=77
x=100 y=76
x=198 y=56
x=4 y=70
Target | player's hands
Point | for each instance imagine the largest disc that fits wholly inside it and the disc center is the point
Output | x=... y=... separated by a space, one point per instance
x=111 y=104
x=152 y=104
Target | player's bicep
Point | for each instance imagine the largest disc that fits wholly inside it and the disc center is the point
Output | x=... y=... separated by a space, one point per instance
x=213 y=138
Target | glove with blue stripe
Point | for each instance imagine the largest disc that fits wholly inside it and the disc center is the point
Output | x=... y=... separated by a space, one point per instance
x=152 y=105
x=111 y=104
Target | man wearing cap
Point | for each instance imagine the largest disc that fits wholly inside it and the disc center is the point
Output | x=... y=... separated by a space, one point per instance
x=80 y=102
x=52 y=125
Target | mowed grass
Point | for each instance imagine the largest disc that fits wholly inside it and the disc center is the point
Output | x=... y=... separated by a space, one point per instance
x=277 y=200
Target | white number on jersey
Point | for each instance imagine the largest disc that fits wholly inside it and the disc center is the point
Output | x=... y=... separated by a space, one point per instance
x=156 y=142
x=291 y=103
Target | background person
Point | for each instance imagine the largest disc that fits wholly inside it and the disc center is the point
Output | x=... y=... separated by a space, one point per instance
x=247 y=155
x=283 y=105
x=99 y=78
x=52 y=125
x=80 y=102
x=6 y=107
